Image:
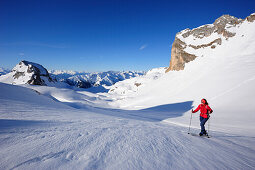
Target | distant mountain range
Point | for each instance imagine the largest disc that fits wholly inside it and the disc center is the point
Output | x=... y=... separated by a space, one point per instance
x=85 y=80
x=32 y=73
x=4 y=71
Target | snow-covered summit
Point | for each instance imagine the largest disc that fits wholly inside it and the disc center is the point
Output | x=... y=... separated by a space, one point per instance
x=189 y=44
x=27 y=73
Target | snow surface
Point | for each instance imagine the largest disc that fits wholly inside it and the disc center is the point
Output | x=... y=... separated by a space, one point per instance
x=128 y=86
x=37 y=132
x=143 y=122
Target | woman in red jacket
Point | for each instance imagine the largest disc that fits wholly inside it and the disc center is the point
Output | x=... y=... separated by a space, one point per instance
x=205 y=110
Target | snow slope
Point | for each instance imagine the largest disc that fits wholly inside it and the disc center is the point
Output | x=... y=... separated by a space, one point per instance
x=37 y=132
x=129 y=86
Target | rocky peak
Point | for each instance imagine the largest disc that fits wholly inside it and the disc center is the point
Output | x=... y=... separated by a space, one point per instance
x=251 y=18
x=30 y=73
x=226 y=19
x=219 y=26
x=222 y=23
x=206 y=36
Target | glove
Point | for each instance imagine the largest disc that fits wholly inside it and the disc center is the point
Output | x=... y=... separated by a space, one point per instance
x=192 y=111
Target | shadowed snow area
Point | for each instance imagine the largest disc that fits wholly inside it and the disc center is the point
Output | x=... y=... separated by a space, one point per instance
x=9 y=123
x=154 y=114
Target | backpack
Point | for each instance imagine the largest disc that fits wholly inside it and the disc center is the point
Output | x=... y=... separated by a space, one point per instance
x=208 y=112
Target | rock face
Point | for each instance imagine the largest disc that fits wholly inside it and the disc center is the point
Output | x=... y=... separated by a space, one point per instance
x=28 y=73
x=206 y=36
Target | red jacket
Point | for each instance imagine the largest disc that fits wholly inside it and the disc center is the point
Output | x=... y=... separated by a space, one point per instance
x=204 y=110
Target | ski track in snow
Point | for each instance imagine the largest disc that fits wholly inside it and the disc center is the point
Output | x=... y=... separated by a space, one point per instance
x=78 y=139
x=235 y=87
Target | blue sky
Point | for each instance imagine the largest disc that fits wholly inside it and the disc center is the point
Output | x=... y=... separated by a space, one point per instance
x=102 y=35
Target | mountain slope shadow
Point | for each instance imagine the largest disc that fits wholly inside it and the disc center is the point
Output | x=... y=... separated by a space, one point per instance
x=157 y=113
x=15 y=125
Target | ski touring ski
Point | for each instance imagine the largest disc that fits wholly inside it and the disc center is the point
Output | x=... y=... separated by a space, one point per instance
x=203 y=136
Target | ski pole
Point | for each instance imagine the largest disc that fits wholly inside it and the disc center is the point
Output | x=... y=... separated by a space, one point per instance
x=208 y=126
x=190 y=122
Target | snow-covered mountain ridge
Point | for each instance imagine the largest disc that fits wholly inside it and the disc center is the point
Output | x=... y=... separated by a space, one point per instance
x=28 y=73
x=85 y=80
x=189 y=44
